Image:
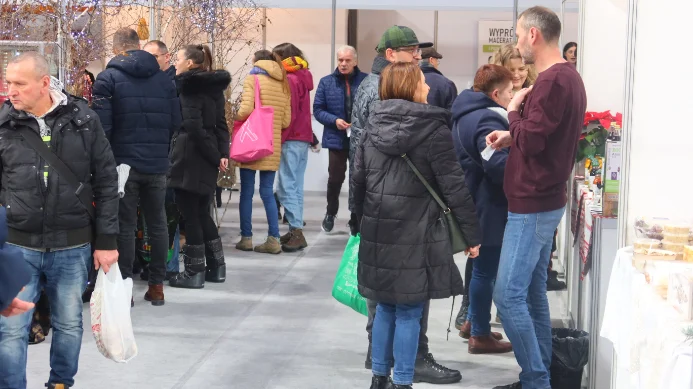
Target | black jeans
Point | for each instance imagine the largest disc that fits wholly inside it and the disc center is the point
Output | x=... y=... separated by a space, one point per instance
x=199 y=225
x=423 y=339
x=339 y=160
x=149 y=191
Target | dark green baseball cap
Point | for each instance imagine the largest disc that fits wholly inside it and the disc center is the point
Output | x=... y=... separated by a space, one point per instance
x=400 y=36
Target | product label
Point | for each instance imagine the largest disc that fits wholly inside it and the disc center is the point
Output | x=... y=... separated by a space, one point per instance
x=612 y=173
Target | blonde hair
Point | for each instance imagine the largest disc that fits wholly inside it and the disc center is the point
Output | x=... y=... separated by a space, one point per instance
x=508 y=52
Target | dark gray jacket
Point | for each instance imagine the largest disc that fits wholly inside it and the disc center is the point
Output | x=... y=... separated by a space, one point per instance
x=366 y=96
x=405 y=254
x=53 y=216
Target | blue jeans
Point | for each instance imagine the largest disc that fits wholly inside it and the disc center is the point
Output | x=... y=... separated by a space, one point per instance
x=396 y=336
x=520 y=292
x=245 y=205
x=292 y=171
x=481 y=289
x=63 y=275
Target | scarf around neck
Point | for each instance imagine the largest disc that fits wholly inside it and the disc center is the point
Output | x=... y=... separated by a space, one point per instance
x=294 y=64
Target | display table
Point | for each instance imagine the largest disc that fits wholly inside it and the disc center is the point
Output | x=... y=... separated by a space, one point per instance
x=650 y=351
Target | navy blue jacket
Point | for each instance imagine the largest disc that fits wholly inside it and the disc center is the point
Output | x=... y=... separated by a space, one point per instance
x=137 y=105
x=474 y=116
x=14 y=272
x=329 y=105
x=443 y=91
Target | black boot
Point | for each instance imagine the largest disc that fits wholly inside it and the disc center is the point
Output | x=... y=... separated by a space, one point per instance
x=216 y=267
x=393 y=386
x=462 y=314
x=430 y=371
x=193 y=277
x=380 y=382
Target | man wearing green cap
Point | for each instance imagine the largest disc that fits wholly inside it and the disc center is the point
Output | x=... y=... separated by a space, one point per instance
x=398 y=44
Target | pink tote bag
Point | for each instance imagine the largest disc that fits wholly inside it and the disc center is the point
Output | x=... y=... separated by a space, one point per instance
x=255 y=138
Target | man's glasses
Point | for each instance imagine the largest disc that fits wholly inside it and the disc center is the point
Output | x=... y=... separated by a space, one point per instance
x=412 y=50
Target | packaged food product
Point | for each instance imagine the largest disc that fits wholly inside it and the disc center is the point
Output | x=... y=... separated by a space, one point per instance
x=676 y=228
x=675 y=238
x=673 y=247
x=650 y=228
x=688 y=253
x=680 y=293
x=644 y=245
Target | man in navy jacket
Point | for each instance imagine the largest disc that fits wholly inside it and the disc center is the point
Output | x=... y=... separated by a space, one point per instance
x=332 y=108
x=137 y=105
x=443 y=91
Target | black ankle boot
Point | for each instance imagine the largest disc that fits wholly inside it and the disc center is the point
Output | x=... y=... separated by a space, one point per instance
x=380 y=382
x=216 y=267
x=193 y=277
x=462 y=314
x=400 y=387
x=428 y=370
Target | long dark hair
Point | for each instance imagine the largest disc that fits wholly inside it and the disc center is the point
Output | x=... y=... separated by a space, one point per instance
x=567 y=47
x=288 y=50
x=200 y=55
x=266 y=55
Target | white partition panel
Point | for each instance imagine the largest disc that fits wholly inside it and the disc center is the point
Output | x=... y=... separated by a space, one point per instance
x=659 y=182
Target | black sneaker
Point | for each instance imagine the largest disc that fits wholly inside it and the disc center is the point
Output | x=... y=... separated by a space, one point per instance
x=328 y=223
x=516 y=385
x=553 y=273
x=430 y=371
x=553 y=284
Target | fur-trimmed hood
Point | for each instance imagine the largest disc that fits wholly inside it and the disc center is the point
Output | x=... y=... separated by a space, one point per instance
x=198 y=81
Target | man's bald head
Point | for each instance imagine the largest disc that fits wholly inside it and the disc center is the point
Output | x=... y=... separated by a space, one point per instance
x=35 y=59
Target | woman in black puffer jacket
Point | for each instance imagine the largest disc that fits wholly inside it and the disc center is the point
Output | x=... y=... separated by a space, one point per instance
x=405 y=256
x=198 y=150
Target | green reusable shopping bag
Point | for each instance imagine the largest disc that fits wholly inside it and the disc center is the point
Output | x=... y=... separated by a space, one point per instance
x=345 y=289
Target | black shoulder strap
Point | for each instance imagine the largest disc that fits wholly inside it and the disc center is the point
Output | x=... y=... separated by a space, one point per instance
x=36 y=143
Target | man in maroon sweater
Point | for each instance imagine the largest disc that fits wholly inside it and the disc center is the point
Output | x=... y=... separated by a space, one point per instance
x=545 y=125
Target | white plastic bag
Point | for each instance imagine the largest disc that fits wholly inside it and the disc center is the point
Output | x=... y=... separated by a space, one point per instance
x=110 y=316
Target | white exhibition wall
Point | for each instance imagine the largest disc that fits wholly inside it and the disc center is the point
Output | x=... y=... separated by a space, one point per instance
x=661 y=136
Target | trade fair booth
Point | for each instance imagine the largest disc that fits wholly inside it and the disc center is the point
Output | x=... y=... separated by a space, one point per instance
x=634 y=295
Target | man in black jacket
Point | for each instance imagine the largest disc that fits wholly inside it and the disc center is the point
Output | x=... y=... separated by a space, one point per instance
x=443 y=91
x=47 y=221
x=137 y=102
x=160 y=51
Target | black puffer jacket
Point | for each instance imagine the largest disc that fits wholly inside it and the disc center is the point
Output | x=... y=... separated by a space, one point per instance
x=203 y=138
x=54 y=217
x=405 y=254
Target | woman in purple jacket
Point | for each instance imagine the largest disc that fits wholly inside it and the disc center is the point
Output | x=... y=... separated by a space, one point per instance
x=296 y=141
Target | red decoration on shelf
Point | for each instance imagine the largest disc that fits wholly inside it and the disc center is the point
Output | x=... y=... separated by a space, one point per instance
x=604 y=118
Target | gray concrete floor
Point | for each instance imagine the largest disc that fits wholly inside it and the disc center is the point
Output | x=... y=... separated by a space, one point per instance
x=273 y=324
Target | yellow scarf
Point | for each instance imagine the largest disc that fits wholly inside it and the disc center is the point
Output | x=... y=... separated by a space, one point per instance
x=294 y=64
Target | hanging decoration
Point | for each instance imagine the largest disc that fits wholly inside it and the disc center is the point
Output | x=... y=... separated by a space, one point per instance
x=142 y=29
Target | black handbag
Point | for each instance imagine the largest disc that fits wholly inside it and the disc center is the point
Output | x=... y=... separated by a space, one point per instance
x=457 y=241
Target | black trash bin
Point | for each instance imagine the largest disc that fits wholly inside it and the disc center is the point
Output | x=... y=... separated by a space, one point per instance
x=570 y=354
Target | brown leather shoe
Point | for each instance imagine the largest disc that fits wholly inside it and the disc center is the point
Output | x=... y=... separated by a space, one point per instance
x=284 y=239
x=466 y=331
x=296 y=242
x=155 y=294
x=488 y=345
